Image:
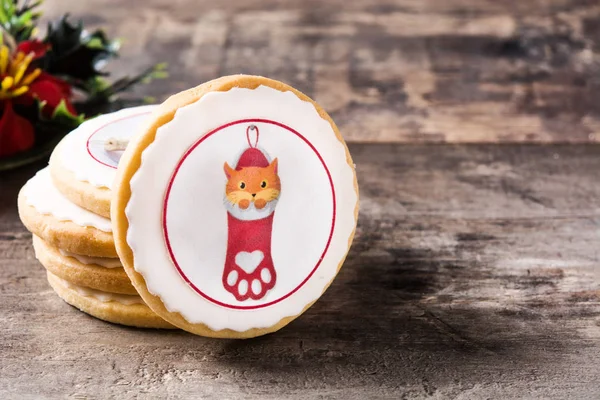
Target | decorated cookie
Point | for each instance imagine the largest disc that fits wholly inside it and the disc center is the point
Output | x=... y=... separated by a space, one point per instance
x=52 y=217
x=84 y=164
x=121 y=309
x=235 y=208
x=99 y=273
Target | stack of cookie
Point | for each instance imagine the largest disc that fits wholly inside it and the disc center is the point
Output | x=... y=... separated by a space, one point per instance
x=233 y=209
x=66 y=207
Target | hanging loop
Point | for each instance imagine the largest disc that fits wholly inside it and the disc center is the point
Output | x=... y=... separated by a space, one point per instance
x=252 y=128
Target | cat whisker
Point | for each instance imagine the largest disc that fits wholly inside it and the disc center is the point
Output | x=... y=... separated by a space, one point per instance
x=228 y=199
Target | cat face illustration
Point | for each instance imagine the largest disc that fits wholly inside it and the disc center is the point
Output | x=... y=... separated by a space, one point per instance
x=258 y=185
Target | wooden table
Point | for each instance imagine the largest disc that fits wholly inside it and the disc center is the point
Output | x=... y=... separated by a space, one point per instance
x=386 y=70
x=474 y=273
x=475 y=270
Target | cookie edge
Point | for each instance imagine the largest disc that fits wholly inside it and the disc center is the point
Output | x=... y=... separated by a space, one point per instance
x=135 y=315
x=66 y=235
x=113 y=280
x=82 y=193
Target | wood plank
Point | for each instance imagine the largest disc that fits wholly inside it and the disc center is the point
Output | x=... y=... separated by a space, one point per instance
x=474 y=274
x=401 y=71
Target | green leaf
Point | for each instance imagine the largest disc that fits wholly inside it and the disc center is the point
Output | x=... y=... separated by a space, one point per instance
x=62 y=113
x=3 y=16
x=25 y=18
x=61 y=117
x=95 y=43
x=98 y=84
x=19 y=20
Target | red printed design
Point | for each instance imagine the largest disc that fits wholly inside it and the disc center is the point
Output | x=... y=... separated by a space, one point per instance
x=242 y=237
x=249 y=272
x=251 y=194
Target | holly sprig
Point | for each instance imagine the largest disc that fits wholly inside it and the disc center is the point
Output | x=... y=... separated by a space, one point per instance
x=76 y=56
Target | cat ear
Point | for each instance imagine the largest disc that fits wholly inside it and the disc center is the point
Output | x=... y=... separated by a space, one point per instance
x=274 y=165
x=228 y=170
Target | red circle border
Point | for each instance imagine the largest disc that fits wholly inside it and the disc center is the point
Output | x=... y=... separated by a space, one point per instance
x=87 y=143
x=170 y=185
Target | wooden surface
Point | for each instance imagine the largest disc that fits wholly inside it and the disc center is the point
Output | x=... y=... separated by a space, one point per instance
x=474 y=274
x=475 y=270
x=403 y=70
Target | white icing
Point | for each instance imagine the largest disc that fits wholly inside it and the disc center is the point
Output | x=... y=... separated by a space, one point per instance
x=256 y=286
x=100 y=170
x=41 y=194
x=297 y=218
x=105 y=297
x=302 y=219
x=243 y=287
x=249 y=261
x=265 y=275
x=251 y=213
x=232 y=278
x=101 y=261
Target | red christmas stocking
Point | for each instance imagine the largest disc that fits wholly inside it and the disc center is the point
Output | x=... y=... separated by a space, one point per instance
x=252 y=191
x=249 y=271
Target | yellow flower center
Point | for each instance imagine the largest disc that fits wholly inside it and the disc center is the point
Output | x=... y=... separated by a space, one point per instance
x=13 y=68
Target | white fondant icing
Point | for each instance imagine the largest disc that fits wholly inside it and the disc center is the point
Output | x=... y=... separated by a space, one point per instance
x=251 y=213
x=249 y=261
x=198 y=186
x=105 y=262
x=256 y=286
x=265 y=275
x=41 y=194
x=232 y=278
x=243 y=287
x=105 y=297
x=100 y=169
x=302 y=220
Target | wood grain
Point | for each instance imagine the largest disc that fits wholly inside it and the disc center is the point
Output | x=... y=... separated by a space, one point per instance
x=400 y=71
x=474 y=274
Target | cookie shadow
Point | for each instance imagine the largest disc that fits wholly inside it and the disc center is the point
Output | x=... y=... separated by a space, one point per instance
x=361 y=319
x=387 y=320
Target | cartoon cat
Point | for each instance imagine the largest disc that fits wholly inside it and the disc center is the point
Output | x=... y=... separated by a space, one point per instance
x=251 y=193
x=258 y=185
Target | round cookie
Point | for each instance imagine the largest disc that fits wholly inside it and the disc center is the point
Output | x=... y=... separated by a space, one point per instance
x=46 y=213
x=241 y=211
x=120 y=309
x=81 y=166
x=105 y=274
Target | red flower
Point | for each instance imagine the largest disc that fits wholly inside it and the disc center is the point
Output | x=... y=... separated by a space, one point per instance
x=16 y=133
x=51 y=91
x=37 y=47
x=22 y=84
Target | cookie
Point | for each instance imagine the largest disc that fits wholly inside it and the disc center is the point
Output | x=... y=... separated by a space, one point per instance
x=120 y=309
x=241 y=210
x=105 y=274
x=83 y=165
x=46 y=213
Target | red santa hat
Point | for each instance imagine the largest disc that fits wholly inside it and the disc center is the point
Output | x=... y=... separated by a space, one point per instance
x=252 y=157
